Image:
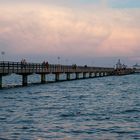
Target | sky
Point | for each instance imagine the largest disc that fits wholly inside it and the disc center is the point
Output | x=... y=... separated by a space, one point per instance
x=92 y=32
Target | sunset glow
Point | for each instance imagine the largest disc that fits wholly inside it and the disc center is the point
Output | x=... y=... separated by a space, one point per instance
x=89 y=29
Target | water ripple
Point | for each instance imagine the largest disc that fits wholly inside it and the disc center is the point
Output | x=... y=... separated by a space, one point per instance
x=103 y=108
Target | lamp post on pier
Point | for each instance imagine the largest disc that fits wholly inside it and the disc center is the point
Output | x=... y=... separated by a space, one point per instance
x=2 y=54
x=58 y=59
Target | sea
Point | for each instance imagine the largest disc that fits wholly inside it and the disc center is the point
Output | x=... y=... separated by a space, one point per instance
x=105 y=108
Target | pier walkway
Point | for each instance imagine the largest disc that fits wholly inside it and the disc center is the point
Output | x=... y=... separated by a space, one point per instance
x=7 y=68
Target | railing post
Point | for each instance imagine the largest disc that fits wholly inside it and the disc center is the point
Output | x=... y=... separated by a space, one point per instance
x=3 y=66
x=17 y=66
x=13 y=67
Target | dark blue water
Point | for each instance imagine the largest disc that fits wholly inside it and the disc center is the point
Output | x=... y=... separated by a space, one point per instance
x=105 y=108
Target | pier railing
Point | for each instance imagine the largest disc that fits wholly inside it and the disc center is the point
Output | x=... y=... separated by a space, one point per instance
x=24 y=69
x=7 y=67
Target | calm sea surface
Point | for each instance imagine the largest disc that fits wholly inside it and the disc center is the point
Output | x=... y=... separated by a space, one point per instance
x=105 y=108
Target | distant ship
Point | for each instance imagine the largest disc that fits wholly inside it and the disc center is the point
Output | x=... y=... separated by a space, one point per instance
x=119 y=65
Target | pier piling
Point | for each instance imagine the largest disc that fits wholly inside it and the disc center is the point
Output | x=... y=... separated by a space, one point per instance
x=7 y=68
x=68 y=76
x=90 y=75
x=0 y=81
x=77 y=76
x=57 y=75
x=43 y=78
x=84 y=75
x=24 y=80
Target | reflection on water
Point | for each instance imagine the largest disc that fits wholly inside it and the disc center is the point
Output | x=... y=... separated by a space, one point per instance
x=102 y=108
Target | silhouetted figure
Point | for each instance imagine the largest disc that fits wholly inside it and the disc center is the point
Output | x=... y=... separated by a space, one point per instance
x=47 y=65
x=43 y=64
x=23 y=63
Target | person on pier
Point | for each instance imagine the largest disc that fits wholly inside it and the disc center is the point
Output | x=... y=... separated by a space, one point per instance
x=47 y=65
x=43 y=64
x=23 y=63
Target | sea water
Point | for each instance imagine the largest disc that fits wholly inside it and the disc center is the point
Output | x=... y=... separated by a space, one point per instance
x=106 y=108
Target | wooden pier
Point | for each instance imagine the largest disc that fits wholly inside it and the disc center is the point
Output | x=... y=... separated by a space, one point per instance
x=7 y=68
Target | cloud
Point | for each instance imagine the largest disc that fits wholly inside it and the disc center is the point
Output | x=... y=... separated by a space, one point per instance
x=38 y=29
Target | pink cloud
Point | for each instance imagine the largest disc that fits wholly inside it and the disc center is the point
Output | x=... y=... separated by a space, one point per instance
x=38 y=29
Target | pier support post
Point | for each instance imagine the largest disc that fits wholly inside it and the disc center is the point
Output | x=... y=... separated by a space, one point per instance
x=84 y=75
x=77 y=76
x=107 y=74
x=90 y=75
x=43 y=78
x=0 y=81
x=111 y=73
x=68 y=76
x=95 y=74
x=57 y=76
x=24 y=80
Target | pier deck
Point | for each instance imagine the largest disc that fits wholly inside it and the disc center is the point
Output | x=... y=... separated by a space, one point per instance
x=7 y=68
